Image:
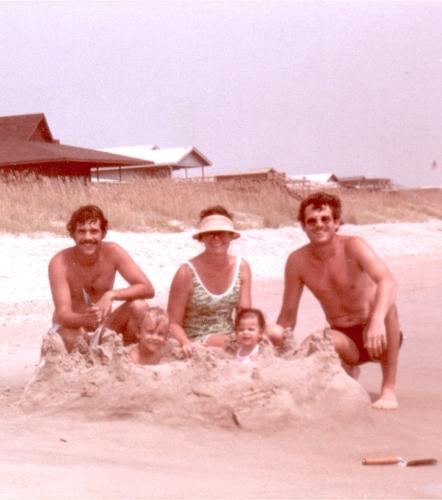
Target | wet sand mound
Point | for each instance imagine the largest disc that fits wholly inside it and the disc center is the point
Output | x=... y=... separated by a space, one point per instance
x=212 y=388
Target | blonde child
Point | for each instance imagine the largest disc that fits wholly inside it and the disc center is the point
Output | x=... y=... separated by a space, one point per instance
x=152 y=334
x=250 y=326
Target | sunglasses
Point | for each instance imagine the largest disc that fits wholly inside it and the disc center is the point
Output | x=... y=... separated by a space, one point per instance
x=215 y=234
x=324 y=219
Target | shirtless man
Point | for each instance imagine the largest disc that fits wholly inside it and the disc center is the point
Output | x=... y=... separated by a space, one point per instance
x=354 y=287
x=82 y=279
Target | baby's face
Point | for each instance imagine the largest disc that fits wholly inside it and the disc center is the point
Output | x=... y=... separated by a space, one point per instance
x=152 y=337
x=249 y=332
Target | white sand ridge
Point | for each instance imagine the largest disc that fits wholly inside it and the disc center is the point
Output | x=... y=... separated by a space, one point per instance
x=25 y=292
x=211 y=389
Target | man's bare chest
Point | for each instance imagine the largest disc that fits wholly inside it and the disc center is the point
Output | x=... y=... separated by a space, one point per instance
x=95 y=279
x=337 y=276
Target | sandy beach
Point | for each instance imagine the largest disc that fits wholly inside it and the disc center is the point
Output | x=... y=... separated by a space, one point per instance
x=85 y=448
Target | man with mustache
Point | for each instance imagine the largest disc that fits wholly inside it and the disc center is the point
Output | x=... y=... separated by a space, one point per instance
x=82 y=279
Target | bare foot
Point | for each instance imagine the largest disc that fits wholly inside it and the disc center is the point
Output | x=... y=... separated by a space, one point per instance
x=387 y=400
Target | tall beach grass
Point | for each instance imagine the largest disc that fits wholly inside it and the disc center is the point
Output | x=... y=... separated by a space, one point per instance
x=171 y=205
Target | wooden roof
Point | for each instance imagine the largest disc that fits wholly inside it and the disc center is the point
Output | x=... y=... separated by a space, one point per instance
x=27 y=140
x=15 y=152
x=24 y=127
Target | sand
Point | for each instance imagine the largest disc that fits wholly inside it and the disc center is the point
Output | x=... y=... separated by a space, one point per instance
x=95 y=426
x=210 y=389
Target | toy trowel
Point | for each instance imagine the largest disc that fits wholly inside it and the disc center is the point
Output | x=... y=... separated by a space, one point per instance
x=394 y=460
x=95 y=336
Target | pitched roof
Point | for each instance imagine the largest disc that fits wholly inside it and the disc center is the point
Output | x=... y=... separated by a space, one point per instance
x=181 y=157
x=23 y=127
x=19 y=152
x=27 y=140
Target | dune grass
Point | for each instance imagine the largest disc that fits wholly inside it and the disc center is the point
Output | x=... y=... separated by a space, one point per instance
x=171 y=205
x=371 y=207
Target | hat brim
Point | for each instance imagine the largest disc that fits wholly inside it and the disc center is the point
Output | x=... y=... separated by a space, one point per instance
x=197 y=236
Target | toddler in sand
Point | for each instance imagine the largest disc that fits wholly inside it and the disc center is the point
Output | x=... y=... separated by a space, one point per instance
x=250 y=326
x=152 y=334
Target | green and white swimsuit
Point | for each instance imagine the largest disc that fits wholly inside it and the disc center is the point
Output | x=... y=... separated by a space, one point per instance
x=208 y=313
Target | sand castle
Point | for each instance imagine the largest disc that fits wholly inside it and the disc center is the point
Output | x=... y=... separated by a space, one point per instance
x=212 y=388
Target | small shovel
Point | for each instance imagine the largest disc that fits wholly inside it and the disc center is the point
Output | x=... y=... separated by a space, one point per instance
x=95 y=336
x=398 y=461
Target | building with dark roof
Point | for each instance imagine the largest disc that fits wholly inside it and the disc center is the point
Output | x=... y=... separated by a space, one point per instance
x=28 y=146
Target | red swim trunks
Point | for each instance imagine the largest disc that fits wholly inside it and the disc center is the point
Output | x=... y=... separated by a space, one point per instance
x=356 y=333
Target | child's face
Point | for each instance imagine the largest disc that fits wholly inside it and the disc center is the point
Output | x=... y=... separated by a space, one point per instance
x=151 y=337
x=249 y=332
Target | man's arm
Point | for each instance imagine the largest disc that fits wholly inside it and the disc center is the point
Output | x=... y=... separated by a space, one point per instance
x=385 y=296
x=293 y=287
x=61 y=296
x=139 y=285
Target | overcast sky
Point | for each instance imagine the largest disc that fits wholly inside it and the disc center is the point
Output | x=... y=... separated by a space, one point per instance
x=352 y=88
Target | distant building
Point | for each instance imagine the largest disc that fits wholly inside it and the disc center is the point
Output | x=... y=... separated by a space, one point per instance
x=263 y=175
x=313 y=181
x=164 y=162
x=362 y=182
x=330 y=180
x=28 y=146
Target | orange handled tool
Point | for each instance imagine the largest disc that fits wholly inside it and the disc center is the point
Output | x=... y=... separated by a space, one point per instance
x=382 y=460
x=395 y=460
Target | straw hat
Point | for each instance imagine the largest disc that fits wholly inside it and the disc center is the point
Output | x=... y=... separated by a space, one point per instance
x=215 y=222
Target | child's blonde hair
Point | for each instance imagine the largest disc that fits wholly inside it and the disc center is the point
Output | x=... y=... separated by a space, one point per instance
x=157 y=315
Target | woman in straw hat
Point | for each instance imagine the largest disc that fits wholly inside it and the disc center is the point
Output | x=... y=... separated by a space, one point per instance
x=208 y=289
